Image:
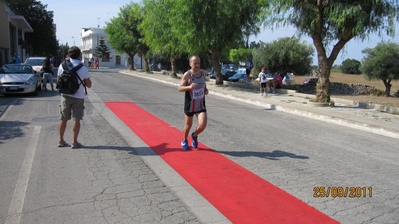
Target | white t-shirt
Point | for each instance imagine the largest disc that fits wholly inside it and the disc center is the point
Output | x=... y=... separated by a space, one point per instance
x=83 y=73
x=262 y=77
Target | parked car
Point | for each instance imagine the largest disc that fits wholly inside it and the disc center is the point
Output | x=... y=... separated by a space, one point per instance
x=226 y=73
x=35 y=62
x=225 y=66
x=233 y=67
x=240 y=75
x=19 y=79
x=309 y=80
x=212 y=74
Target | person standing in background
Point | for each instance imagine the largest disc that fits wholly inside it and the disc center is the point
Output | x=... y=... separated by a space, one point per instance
x=16 y=59
x=47 y=69
x=90 y=61
x=248 y=67
x=98 y=63
x=262 y=81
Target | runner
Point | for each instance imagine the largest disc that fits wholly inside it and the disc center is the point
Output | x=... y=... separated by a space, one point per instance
x=193 y=83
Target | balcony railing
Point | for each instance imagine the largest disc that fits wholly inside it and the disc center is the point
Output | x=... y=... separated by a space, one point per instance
x=87 y=47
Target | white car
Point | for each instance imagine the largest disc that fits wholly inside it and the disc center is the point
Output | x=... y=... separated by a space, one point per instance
x=35 y=62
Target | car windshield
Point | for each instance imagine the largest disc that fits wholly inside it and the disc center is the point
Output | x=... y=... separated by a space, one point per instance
x=33 y=62
x=14 y=69
x=237 y=75
x=240 y=72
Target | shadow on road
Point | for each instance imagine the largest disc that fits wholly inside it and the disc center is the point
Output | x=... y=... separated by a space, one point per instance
x=11 y=129
x=163 y=149
x=274 y=155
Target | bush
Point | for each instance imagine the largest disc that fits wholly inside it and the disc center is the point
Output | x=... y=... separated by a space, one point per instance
x=351 y=66
x=284 y=55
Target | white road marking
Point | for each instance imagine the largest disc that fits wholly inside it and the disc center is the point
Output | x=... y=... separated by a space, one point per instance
x=18 y=198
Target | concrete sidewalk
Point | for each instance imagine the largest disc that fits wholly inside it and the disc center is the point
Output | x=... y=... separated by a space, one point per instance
x=345 y=112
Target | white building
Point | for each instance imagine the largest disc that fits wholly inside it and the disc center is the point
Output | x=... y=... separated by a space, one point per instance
x=90 y=39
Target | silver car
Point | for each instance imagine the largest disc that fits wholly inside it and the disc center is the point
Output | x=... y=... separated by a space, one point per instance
x=19 y=79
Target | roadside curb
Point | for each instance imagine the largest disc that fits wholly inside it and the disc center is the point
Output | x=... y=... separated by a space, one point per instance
x=325 y=118
x=303 y=113
x=366 y=105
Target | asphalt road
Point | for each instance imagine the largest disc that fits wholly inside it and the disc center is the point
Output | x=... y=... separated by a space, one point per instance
x=95 y=185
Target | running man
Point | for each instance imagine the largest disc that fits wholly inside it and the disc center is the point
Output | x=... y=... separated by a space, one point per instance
x=193 y=83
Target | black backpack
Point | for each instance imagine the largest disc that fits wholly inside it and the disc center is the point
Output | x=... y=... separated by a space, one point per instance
x=68 y=82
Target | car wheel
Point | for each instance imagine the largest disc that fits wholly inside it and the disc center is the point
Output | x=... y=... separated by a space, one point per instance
x=36 y=92
x=38 y=88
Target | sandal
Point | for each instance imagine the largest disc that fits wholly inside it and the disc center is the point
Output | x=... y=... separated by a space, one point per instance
x=62 y=144
x=76 y=145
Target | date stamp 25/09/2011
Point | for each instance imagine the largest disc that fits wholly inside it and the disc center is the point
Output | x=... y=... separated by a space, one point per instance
x=342 y=192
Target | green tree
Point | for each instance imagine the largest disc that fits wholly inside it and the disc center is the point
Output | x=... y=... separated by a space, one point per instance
x=158 y=34
x=102 y=50
x=331 y=25
x=237 y=55
x=212 y=26
x=137 y=15
x=382 y=63
x=287 y=54
x=43 y=40
x=121 y=36
x=254 y=44
x=351 y=66
x=124 y=33
x=62 y=52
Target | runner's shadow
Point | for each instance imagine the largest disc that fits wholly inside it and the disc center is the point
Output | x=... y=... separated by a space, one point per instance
x=142 y=151
x=163 y=149
x=274 y=155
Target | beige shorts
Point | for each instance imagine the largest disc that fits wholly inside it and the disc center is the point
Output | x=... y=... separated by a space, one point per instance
x=71 y=107
x=49 y=77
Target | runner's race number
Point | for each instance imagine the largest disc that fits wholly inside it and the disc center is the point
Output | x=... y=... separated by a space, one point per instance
x=198 y=93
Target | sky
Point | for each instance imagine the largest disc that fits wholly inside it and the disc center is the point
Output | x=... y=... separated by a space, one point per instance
x=70 y=17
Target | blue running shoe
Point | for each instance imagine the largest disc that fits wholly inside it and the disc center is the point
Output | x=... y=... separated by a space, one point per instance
x=195 y=140
x=184 y=144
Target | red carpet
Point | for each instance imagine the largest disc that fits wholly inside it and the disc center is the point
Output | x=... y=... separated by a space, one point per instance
x=238 y=194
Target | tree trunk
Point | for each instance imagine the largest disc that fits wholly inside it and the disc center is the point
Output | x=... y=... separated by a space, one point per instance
x=323 y=83
x=325 y=64
x=146 y=67
x=173 y=60
x=387 y=84
x=131 y=62
x=214 y=55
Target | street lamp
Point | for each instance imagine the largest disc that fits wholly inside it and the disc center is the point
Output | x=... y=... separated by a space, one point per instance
x=73 y=41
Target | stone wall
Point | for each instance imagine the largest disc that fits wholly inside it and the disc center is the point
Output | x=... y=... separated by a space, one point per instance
x=337 y=88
